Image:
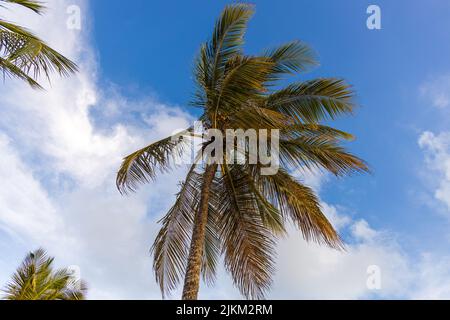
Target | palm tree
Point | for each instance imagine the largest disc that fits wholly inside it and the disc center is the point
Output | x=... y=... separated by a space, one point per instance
x=36 y=280
x=24 y=56
x=232 y=210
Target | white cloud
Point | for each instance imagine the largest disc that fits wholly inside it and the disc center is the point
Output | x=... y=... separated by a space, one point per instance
x=22 y=198
x=432 y=278
x=437 y=90
x=437 y=157
x=309 y=271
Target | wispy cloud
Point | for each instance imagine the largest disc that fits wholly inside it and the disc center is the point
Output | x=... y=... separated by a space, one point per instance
x=437 y=90
x=437 y=159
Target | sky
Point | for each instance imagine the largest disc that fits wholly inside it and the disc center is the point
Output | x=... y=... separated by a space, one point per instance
x=60 y=149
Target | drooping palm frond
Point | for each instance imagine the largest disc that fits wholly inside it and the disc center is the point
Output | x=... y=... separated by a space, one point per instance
x=171 y=246
x=35 y=279
x=12 y=70
x=142 y=166
x=30 y=54
x=25 y=55
x=248 y=244
x=299 y=204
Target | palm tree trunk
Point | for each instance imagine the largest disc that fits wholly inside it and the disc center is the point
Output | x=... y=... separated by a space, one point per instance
x=193 y=271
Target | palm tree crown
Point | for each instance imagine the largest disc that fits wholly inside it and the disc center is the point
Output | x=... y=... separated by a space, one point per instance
x=35 y=279
x=23 y=55
x=232 y=210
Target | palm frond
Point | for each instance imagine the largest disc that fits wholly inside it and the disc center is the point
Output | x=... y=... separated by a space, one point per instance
x=25 y=55
x=171 y=246
x=244 y=80
x=315 y=130
x=36 y=6
x=300 y=204
x=314 y=100
x=319 y=151
x=11 y=70
x=212 y=248
x=225 y=44
x=36 y=280
x=248 y=245
x=141 y=166
x=228 y=37
x=291 y=58
x=30 y=54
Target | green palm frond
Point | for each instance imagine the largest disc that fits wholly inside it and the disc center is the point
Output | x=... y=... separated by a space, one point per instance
x=172 y=242
x=35 y=279
x=9 y=69
x=141 y=166
x=314 y=100
x=36 y=6
x=291 y=58
x=30 y=54
x=315 y=130
x=171 y=246
x=26 y=56
x=319 y=151
x=228 y=38
x=248 y=245
x=298 y=203
x=243 y=81
x=215 y=55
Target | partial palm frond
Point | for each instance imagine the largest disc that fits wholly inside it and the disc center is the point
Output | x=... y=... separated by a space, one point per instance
x=300 y=204
x=172 y=244
x=212 y=248
x=319 y=151
x=30 y=54
x=36 y=6
x=24 y=55
x=215 y=55
x=36 y=280
x=248 y=244
x=141 y=166
x=244 y=81
x=11 y=70
x=313 y=101
x=291 y=58
x=315 y=130
x=252 y=117
x=228 y=38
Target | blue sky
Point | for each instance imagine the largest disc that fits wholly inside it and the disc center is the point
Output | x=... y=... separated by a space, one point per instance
x=136 y=60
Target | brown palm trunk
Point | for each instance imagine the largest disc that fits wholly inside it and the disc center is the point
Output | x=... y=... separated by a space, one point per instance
x=193 y=271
